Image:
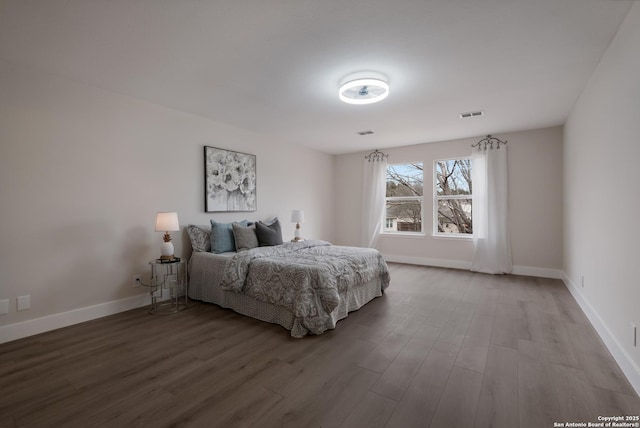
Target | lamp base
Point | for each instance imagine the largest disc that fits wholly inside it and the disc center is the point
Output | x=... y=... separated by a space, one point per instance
x=166 y=251
x=297 y=234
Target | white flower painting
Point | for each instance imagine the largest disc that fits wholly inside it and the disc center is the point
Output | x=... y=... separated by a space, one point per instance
x=230 y=180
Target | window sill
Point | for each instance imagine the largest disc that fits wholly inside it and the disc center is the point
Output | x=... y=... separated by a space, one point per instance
x=452 y=236
x=402 y=235
x=424 y=235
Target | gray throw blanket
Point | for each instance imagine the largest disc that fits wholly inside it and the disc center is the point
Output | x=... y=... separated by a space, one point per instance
x=307 y=277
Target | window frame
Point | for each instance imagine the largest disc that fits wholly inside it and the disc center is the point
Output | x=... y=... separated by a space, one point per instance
x=404 y=198
x=437 y=197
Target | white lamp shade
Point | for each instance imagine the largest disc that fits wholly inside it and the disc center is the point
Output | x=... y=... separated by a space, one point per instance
x=297 y=216
x=167 y=222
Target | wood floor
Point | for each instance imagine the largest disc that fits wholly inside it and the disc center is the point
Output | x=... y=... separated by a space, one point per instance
x=441 y=348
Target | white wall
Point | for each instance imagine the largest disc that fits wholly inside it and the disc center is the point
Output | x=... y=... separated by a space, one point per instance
x=602 y=203
x=82 y=174
x=535 y=203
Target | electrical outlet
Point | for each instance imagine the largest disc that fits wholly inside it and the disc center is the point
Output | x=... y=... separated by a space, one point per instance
x=635 y=335
x=23 y=302
x=4 y=306
x=136 y=280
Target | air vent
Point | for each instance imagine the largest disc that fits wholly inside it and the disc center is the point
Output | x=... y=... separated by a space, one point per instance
x=471 y=114
x=368 y=132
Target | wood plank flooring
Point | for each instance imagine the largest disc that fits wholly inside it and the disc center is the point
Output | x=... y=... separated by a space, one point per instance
x=441 y=348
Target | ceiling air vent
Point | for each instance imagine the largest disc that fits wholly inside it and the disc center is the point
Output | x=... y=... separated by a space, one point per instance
x=471 y=114
x=368 y=132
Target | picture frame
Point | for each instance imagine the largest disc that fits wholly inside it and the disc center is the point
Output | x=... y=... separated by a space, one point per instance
x=229 y=180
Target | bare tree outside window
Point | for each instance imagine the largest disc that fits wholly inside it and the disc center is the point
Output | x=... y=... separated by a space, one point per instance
x=404 y=197
x=453 y=196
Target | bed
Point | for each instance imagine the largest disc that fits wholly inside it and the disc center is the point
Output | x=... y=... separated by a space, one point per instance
x=306 y=286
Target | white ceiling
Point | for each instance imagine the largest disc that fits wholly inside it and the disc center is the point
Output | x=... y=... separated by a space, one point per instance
x=274 y=66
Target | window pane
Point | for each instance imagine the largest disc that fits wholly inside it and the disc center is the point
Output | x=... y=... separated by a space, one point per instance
x=453 y=177
x=404 y=180
x=454 y=216
x=404 y=216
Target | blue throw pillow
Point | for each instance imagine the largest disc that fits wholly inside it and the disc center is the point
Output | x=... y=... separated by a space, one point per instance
x=222 y=240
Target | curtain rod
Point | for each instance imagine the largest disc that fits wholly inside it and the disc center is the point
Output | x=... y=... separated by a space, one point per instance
x=376 y=156
x=488 y=141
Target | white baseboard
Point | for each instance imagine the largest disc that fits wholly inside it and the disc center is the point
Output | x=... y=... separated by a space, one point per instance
x=461 y=264
x=538 y=271
x=52 y=322
x=624 y=360
x=422 y=261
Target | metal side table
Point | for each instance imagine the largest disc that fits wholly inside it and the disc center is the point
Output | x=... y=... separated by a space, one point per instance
x=168 y=287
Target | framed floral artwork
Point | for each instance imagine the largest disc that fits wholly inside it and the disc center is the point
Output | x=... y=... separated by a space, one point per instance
x=229 y=180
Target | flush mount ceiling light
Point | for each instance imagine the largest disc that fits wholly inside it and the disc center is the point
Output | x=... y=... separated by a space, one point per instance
x=364 y=91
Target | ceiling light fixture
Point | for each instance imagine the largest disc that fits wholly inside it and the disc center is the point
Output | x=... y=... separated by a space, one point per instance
x=364 y=91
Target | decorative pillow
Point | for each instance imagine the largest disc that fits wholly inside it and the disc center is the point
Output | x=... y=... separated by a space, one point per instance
x=222 y=240
x=200 y=237
x=269 y=233
x=245 y=236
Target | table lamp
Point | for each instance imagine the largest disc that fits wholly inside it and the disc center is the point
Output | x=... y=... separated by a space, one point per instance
x=297 y=217
x=167 y=222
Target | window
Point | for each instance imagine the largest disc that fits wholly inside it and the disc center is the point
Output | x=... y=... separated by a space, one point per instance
x=403 y=211
x=452 y=198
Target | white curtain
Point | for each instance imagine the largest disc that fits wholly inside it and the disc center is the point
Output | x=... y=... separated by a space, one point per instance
x=492 y=246
x=373 y=200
